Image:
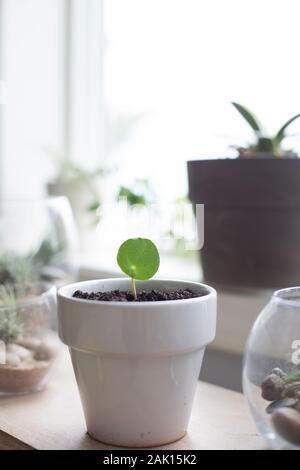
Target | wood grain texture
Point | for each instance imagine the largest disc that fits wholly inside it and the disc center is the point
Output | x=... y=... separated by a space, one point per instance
x=53 y=419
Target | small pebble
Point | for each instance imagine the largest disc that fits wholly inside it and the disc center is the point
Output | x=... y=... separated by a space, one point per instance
x=12 y=359
x=23 y=353
x=29 y=343
x=272 y=387
x=285 y=403
x=45 y=352
x=278 y=372
x=286 y=422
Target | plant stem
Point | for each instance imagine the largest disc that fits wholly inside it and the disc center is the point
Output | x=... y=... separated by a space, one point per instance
x=133 y=288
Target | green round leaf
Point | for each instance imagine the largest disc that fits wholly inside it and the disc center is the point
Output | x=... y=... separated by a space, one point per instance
x=138 y=258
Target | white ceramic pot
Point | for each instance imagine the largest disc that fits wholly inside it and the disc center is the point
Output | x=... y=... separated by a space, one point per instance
x=137 y=364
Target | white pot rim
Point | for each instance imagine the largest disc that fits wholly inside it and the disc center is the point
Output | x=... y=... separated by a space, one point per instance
x=66 y=292
x=136 y=328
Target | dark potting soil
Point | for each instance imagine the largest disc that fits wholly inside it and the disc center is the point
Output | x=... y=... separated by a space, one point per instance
x=142 y=296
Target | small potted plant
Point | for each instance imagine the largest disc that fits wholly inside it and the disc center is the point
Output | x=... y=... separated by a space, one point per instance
x=29 y=345
x=137 y=349
x=252 y=211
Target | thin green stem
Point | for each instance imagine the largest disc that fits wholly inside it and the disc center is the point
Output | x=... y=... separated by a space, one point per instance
x=133 y=288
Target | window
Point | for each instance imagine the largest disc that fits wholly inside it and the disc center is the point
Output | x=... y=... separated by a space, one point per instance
x=142 y=85
x=181 y=62
x=32 y=68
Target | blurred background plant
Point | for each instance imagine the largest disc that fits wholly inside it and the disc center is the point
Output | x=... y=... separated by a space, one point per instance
x=84 y=186
x=40 y=265
x=139 y=192
x=10 y=325
x=16 y=269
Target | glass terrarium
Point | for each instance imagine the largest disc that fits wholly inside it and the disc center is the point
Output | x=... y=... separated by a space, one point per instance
x=271 y=375
x=29 y=344
x=38 y=241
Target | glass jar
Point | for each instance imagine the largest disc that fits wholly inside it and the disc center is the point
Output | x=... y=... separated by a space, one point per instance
x=29 y=344
x=271 y=377
x=38 y=241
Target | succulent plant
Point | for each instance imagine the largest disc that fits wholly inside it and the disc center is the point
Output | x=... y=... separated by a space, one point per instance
x=264 y=144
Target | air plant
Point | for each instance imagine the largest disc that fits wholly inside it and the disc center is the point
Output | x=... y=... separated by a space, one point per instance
x=16 y=269
x=10 y=325
x=21 y=270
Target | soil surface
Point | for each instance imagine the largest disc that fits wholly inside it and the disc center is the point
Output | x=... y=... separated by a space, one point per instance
x=142 y=296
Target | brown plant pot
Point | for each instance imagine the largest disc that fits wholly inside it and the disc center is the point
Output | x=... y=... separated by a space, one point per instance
x=252 y=220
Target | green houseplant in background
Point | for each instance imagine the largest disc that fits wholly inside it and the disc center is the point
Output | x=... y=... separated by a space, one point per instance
x=264 y=144
x=84 y=187
x=252 y=211
x=139 y=192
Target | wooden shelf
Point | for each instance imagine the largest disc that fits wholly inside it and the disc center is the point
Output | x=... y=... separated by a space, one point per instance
x=53 y=419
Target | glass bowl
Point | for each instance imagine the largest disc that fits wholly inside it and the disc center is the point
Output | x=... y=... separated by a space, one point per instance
x=271 y=376
x=29 y=344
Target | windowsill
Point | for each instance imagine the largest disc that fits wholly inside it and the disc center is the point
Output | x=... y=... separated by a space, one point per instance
x=237 y=308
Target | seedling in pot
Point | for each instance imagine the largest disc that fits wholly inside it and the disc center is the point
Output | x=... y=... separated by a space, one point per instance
x=139 y=259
